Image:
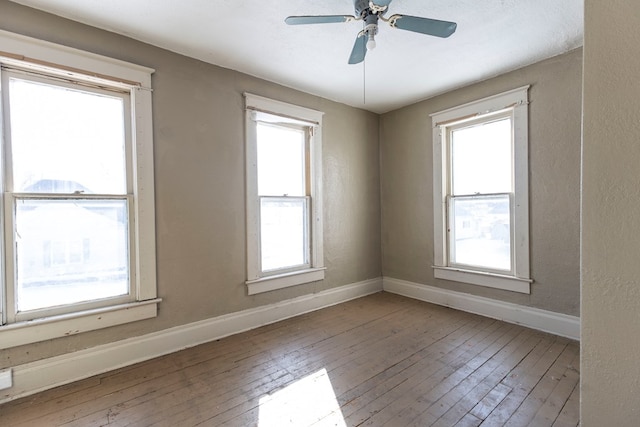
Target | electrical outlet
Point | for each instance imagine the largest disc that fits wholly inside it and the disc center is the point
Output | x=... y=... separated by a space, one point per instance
x=5 y=379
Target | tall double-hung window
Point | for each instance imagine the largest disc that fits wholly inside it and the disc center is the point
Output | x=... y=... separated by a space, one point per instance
x=284 y=201
x=78 y=242
x=481 y=210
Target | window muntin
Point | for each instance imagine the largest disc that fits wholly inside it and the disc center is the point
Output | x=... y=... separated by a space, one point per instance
x=480 y=195
x=284 y=195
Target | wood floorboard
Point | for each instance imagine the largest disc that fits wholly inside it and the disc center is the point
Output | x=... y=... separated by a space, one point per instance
x=171 y=402
x=522 y=379
x=544 y=387
x=562 y=389
x=381 y=360
x=569 y=415
x=175 y=404
x=461 y=399
x=426 y=408
x=331 y=361
x=350 y=349
x=429 y=370
x=416 y=403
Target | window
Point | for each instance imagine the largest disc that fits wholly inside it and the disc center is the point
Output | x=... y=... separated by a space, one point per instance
x=77 y=176
x=481 y=201
x=284 y=201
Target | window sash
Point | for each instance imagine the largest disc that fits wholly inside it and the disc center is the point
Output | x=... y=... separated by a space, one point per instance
x=485 y=227
x=115 y=92
x=297 y=184
x=489 y=118
x=305 y=202
x=11 y=260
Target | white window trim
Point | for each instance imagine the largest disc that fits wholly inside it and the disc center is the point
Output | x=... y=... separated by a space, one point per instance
x=256 y=283
x=38 y=55
x=516 y=99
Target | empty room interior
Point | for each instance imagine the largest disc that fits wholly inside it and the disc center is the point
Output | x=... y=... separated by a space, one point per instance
x=230 y=213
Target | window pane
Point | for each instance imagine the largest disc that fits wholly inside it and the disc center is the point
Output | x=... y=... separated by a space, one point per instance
x=66 y=140
x=70 y=251
x=281 y=161
x=283 y=232
x=481 y=158
x=480 y=232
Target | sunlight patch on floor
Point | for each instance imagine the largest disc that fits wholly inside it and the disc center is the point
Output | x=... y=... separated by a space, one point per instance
x=309 y=401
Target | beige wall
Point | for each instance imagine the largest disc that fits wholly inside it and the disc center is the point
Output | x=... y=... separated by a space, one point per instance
x=199 y=178
x=610 y=370
x=554 y=184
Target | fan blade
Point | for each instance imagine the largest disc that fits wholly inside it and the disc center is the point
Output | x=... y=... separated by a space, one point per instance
x=359 y=49
x=325 y=19
x=431 y=27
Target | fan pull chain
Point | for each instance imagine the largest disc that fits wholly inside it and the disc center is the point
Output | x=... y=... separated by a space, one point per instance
x=364 y=71
x=364 y=81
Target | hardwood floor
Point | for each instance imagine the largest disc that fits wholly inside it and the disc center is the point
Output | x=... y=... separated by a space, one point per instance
x=382 y=360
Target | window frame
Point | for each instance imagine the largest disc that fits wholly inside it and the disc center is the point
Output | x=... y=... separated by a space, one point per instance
x=258 y=108
x=513 y=102
x=86 y=69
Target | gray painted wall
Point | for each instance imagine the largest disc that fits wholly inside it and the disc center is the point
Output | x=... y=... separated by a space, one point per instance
x=610 y=334
x=199 y=183
x=554 y=184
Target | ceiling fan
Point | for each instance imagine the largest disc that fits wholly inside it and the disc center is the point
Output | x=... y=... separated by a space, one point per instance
x=369 y=11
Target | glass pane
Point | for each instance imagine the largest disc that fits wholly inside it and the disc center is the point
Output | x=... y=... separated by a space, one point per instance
x=283 y=232
x=481 y=158
x=281 y=161
x=70 y=251
x=66 y=140
x=480 y=232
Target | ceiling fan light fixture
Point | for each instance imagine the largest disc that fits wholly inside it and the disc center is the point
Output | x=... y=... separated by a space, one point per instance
x=371 y=42
x=371 y=30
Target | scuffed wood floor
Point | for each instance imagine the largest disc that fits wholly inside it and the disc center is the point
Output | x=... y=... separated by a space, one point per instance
x=382 y=360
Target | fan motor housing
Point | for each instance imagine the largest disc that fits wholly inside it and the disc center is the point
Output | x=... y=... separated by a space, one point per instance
x=360 y=6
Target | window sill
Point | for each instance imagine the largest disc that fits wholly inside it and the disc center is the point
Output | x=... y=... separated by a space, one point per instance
x=280 y=281
x=491 y=280
x=32 y=331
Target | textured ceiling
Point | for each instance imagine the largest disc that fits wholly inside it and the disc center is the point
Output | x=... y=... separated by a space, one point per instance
x=493 y=37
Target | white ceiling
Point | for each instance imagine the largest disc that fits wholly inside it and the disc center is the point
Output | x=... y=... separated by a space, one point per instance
x=493 y=37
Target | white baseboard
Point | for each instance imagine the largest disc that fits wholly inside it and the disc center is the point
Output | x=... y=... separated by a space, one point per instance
x=543 y=320
x=44 y=374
